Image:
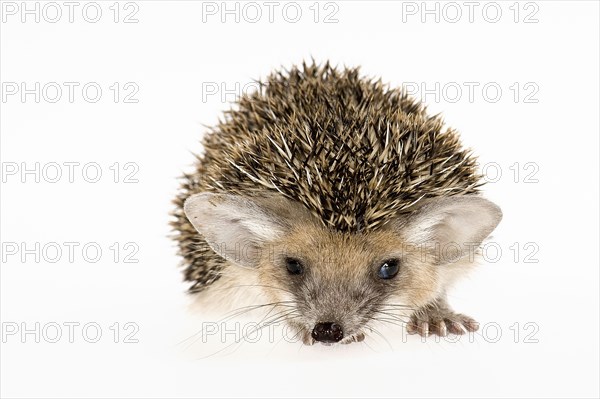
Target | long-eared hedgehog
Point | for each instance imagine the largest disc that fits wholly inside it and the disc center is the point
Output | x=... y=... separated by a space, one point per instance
x=338 y=199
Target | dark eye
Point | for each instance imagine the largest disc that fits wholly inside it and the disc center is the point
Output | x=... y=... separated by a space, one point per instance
x=389 y=269
x=294 y=266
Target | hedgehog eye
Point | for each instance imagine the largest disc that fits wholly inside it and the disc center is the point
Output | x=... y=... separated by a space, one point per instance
x=389 y=269
x=294 y=266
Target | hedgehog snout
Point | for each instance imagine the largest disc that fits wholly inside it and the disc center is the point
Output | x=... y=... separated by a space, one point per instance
x=328 y=332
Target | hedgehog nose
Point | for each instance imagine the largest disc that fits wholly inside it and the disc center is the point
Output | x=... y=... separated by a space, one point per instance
x=328 y=332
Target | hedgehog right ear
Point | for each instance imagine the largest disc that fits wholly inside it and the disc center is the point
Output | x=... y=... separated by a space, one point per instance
x=461 y=221
x=237 y=228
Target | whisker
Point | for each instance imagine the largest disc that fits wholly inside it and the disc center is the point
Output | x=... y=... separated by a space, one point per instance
x=236 y=313
x=373 y=329
x=251 y=285
x=274 y=319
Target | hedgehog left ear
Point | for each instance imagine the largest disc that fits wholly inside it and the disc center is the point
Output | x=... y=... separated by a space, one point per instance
x=460 y=221
x=236 y=227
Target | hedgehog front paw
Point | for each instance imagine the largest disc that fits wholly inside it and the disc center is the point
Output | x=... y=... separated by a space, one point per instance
x=440 y=321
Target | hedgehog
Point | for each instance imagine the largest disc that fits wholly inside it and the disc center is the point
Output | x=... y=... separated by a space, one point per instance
x=339 y=202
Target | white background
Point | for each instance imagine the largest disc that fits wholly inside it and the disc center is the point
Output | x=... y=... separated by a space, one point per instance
x=172 y=55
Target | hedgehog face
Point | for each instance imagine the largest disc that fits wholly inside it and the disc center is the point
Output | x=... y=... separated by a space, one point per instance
x=329 y=285
x=336 y=285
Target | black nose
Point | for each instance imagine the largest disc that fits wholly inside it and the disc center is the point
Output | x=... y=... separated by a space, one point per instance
x=328 y=332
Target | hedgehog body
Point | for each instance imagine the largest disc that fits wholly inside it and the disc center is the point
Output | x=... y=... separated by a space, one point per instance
x=349 y=149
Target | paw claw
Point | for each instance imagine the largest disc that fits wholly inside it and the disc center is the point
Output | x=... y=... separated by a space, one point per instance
x=411 y=328
x=455 y=327
x=440 y=321
x=440 y=328
x=423 y=328
x=471 y=326
x=359 y=337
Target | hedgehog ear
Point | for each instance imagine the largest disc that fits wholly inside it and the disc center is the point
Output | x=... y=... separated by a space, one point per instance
x=458 y=221
x=235 y=227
